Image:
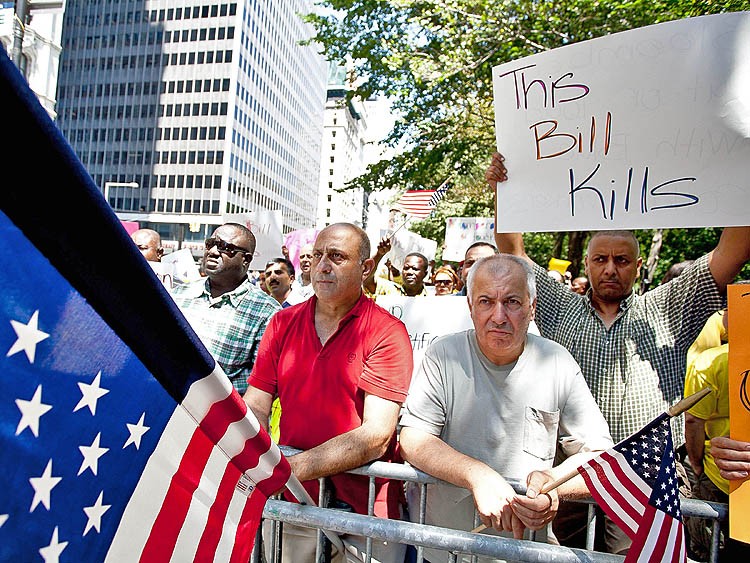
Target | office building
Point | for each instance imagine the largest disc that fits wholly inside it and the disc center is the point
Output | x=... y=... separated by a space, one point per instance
x=352 y=139
x=184 y=111
x=30 y=32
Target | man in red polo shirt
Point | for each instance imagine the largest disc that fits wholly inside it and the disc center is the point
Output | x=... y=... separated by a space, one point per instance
x=341 y=367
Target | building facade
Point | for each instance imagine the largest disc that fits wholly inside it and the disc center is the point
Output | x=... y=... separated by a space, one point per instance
x=35 y=46
x=352 y=139
x=184 y=111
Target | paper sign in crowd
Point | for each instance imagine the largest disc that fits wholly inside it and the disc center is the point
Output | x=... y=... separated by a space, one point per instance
x=647 y=128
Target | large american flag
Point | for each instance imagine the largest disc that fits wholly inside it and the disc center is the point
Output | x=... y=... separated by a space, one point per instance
x=121 y=439
x=635 y=483
x=421 y=203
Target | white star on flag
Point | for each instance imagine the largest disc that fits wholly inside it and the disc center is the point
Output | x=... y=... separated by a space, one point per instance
x=136 y=432
x=51 y=553
x=91 y=394
x=95 y=513
x=91 y=455
x=43 y=487
x=3 y=519
x=28 y=337
x=31 y=412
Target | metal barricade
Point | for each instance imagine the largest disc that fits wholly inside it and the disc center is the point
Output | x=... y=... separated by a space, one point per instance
x=421 y=535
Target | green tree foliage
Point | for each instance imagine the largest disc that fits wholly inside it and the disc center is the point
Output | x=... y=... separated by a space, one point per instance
x=434 y=59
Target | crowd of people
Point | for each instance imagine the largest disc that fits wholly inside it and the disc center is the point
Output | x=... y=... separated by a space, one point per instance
x=486 y=404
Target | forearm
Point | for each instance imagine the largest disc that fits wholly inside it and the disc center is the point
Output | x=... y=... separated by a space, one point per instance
x=695 y=441
x=430 y=454
x=339 y=454
x=733 y=250
x=510 y=243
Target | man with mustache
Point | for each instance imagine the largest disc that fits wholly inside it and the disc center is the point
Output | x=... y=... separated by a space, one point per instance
x=340 y=365
x=225 y=309
x=279 y=278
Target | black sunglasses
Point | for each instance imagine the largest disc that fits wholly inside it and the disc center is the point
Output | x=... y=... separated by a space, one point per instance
x=224 y=247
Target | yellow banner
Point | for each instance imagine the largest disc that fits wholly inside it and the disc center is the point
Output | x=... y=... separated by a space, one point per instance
x=738 y=297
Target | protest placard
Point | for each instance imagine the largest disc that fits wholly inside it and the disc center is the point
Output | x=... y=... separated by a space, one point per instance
x=462 y=232
x=267 y=228
x=647 y=128
x=404 y=242
x=427 y=318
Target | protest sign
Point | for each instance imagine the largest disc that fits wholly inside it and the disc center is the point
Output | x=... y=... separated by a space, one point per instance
x=462 y=232
x=267 y=228
x=427 y=318
x=404 y=242
x=295 y=240
x=646 y=128
x=738 y=297
x=180 y=266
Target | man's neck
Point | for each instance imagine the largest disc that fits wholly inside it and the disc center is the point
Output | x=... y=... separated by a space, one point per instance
x=282 y=298
x=328 y=316
x=218 y=289
x=305 y=279
x=607 y=310
x=413 y=291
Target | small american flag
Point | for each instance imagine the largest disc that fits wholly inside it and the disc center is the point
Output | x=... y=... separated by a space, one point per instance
x=121 y=438
x=421 y=203
x=635 y=483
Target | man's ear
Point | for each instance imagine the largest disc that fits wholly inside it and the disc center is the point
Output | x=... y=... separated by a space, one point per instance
x=639 y=263
x=586 y=266
x=367 y=267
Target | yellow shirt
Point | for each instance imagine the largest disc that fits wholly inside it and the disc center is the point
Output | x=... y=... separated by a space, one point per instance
x=710 y=368
x=713 y=334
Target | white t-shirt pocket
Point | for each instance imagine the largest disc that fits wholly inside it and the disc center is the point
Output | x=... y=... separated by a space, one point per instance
x=540 y=432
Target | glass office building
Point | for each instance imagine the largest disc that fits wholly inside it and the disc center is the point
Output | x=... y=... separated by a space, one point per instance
x=184 y=111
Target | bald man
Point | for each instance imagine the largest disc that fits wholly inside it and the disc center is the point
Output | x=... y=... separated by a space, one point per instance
x=338 y=344
x=148 y=242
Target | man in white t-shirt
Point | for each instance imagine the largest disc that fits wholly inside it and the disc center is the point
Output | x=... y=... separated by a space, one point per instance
x=493 y=403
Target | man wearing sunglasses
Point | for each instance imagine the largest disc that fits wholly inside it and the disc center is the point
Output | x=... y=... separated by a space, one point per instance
x=226 y=310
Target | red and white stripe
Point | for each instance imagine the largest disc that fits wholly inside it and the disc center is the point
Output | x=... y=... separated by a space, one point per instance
x=660 y=540
x=203 y=490
x=417 y=203
x=612 y=482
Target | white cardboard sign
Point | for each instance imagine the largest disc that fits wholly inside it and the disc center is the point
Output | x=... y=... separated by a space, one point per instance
x=427 y=318
x=647 y=128
x=462 y=232
x=267 y=228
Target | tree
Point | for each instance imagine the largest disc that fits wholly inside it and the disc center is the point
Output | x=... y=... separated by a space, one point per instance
x=434 y=59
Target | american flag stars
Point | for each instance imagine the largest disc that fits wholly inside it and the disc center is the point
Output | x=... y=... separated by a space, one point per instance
x=49 y=479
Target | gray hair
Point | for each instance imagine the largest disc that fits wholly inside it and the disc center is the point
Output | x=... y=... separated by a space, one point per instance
x=499 y=263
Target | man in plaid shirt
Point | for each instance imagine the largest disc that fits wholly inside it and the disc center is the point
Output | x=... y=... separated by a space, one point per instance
x=228 y=313
x=631 y=348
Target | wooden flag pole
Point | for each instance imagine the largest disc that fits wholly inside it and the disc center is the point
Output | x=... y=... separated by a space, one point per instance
x=675 y=410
